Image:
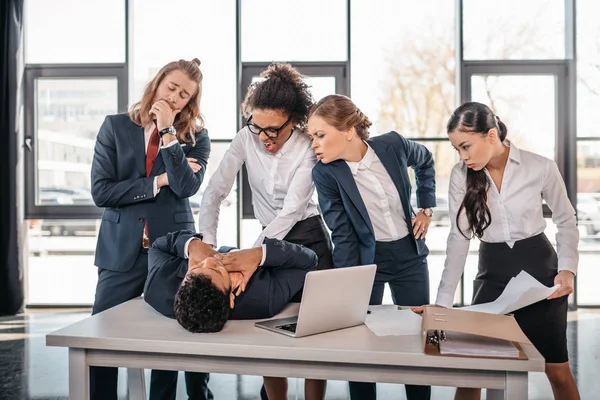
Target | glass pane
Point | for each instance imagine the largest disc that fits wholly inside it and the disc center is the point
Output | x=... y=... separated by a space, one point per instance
x=205 y=30
x=66 y=31
x=69 y=113
x=316 y=31
x=513 y=29
x=227 y=228
x=588 y=68
x=251 y=228
x=403 y=65
x=445 y=158
x=61 y=262
x=525 y=104
x=588 y=215
x=470 y=272
x=319 y=86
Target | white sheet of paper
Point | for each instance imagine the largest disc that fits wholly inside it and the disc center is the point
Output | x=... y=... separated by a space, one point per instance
x=520 y=292
x=393 y=322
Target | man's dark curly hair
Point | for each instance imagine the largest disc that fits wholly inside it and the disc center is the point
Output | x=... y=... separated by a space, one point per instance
x=283 y=89
x=200 y=306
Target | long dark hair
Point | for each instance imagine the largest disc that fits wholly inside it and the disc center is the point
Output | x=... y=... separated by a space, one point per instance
x=475 y=118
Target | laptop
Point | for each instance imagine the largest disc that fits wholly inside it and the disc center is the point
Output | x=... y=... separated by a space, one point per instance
x=332 y=299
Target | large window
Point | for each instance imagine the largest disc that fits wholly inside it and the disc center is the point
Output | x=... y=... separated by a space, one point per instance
x=69 y=112
x=403 y=79
x=398 y=59
x=202 y=29
x=513 y=29
x=588 y=149
x=313 y=30
x=65 y=107
x=402 y=74
x=68 y=32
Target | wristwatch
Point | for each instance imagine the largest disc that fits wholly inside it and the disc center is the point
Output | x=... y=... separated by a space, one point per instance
x=427 y=211
x=168 y=129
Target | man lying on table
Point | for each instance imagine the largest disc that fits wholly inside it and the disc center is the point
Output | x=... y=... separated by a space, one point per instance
x=201 y=289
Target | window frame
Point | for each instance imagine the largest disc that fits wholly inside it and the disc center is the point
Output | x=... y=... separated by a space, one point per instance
x=33 y=72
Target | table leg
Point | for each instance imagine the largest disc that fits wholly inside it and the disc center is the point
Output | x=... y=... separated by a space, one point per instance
x=136 y=384
x=515 y=389
x=79 y=375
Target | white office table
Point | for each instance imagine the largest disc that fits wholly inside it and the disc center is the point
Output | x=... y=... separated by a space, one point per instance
x=134 y=336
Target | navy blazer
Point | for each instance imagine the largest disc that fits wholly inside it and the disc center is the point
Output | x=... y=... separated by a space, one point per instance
x=120 y=186
x=344 y=210
x=269 y=289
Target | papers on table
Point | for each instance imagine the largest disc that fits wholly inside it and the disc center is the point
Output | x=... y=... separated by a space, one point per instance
x=521 y=291
x=465 y=344
x=390 y=320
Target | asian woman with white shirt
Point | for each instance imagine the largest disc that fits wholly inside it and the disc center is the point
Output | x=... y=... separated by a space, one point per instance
x=496 y=194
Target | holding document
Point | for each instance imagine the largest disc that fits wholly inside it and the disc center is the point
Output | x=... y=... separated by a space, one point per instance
x=496 y=194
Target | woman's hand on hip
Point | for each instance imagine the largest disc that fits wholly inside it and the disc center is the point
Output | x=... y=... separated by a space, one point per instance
x=420 y=225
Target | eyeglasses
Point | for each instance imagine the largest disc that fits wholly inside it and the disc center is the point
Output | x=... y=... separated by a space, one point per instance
x=271 y=132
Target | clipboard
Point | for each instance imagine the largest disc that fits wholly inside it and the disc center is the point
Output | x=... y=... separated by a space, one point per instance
x=437 y=320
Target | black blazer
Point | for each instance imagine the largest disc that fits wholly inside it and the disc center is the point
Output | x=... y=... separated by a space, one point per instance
x=268 y=290
x=120 y=186
x=344 y=210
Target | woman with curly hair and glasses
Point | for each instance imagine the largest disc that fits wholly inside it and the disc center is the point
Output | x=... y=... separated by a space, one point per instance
x=279 y=162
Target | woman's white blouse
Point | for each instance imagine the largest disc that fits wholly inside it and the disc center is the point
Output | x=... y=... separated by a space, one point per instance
x=516 y=214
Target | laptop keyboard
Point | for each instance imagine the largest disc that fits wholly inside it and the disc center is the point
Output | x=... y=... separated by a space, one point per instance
x=288 y=327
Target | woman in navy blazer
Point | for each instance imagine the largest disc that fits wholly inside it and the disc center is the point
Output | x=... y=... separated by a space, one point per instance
x=364 y=194
x=146 y=164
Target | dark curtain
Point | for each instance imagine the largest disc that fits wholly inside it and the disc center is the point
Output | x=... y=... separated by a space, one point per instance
x=11 y=27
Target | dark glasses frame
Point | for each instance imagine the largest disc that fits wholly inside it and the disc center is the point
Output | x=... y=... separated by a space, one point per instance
x=272 y=133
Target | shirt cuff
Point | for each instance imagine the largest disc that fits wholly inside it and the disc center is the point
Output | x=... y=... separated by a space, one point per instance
x=155 y=188
x=209 y=239
x=186 y=253
x=166 y=146
x=567 y=265
x=264 y=254
x=445 y=300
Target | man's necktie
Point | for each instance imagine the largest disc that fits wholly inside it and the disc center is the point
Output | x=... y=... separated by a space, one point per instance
x=151 y=154
x=152 y=151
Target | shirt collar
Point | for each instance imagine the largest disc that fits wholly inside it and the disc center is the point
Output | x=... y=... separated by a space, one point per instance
x=289 y=144
x=365 y=163
x=514 y=153
x=149 y=128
